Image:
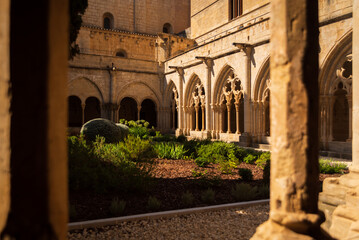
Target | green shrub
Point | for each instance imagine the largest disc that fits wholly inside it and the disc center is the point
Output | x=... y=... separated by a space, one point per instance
x=263 y=158
x=124 y=130
x=205 y=179
x=117 y=207
x=193 y=146
x=330 y=167
x=244 y=192
x=137 y=149
x=101 y=127
x=226 y=167
x=187 y=199
x=245 y=174
x=266 y=172
x=153 y=204
x=140 y=128
x=250 y=158
x=170 y=150
x=208 y=196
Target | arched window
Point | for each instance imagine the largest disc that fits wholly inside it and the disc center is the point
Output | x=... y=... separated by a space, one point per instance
x=108 y=21
x=235 y=8
x=148 y=112
x=92 y=109
x=121 y=53
x=167 y=28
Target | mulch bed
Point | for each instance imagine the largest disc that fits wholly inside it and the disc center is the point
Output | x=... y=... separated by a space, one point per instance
x=172 y=179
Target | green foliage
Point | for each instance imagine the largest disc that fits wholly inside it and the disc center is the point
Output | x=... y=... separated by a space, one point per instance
x=101 y=127
x=245 y=174
x=117 y=207
x=102 y=167
x=244 y=192
x=170 y=150
x=262 y=160
x=77 y=9
x=208 y=196
x=193 y=146
x=266 y=172
x=205 y=179
x=153 y=204
x=137 y=149
x=187 y=199
x=140 y=128
x=123 y=129
x=197 y=174
x=330 y=167
x=226 y=167
x=250 y=158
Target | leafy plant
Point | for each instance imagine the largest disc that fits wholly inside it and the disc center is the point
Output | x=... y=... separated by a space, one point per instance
x=187 y=199
x=208 y=196
x=244 y=192
x=197 y=174
x=263 y=158
x=266 y=172
x=170 y=150
x=245 y=174
x=250 y=159
x=330 y=167
x=226 y=166
x=117 y=207
x=153 y=203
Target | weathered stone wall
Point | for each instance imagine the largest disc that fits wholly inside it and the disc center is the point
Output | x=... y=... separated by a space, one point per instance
x=144 y=16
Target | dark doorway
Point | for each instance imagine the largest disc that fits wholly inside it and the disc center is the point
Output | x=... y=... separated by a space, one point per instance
x=75 y=112
x=92 y=109
x=148 y=112
x=128 y=109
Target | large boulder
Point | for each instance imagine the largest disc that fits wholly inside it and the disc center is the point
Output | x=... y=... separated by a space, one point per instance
x=124 y=130
x=103 y=128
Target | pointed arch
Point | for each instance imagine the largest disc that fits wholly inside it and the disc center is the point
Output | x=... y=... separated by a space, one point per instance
x=261 y=81
x=193 y=80
x=225 y=72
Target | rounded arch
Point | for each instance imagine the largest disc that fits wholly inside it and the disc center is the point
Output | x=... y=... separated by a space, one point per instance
x=108 y=20
x=128 y=109
x=334 y=60
x=167 y=28
x=74 y=111
x=134 y=88
x=121 y=53
x=148 y=112
x=226 y=71
x=261 y=84
x=84 y=88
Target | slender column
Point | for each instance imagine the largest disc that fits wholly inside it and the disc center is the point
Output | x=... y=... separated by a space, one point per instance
x=330 y=126
x=229 y=117
x=203 y=117
x=196 y=108
x=237 y=118
x=83 y=106
x=191 y=119
x=173 y=117
x=138 y=112
x=247 y=89
x=221 y=117
x=260 y=118
x=5 y=114
x=209 y=64
x=294 y=125
x=350 y=117
x=180 y=100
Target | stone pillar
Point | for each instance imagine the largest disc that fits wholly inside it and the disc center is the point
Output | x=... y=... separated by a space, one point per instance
x=247 y=89
x=237 y=118
x=209 y=122
x=196 y=108
x=5 y=114
x=38 y=158
x=355 y=96
x=221 y=117
x=228 y=117
x=180 y=72
x=138 y=112
x=330 y=125
x=173 y=116
x=83 y=106
x=294 y=125
x=203 y=117
x=350 y=117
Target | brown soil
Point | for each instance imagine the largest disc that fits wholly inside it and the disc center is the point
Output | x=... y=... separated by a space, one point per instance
x=172 y=178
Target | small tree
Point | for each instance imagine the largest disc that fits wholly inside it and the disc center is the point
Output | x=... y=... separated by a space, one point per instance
x=77 y=9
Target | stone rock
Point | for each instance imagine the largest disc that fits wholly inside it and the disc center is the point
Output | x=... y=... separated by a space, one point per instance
x=103 y=128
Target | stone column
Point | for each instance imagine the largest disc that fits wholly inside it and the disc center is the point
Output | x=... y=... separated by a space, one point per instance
x=294 y=125
x=38 y=157
x=247 y=90
x=355 y=96
x=209 y=123
x=203 y=117
x=350 y=117
x=330 y=125
x=196 y=108
x=83 y=106
x=221 y=117
x=191 y=120
x=180 y=72
x=5 y=114
x=229 y=117
x=138 y=112
x=237 y=118
x=173 y=117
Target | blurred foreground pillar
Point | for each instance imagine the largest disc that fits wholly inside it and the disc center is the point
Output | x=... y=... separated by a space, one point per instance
x=38 y=159
x=294 y=122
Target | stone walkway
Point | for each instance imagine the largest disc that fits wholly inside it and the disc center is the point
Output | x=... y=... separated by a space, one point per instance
x=239 y=223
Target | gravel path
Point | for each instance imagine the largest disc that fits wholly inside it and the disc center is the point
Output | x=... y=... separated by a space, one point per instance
x=238 y=223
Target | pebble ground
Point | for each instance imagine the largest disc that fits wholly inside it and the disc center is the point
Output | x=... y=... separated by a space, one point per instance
x=239 y=223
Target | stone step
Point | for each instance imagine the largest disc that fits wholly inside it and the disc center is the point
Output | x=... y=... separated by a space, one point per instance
x=331 y=154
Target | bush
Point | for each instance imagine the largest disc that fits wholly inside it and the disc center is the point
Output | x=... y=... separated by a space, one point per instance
x=187 y=199
x=330 y=167
x=124 y=130
x=140 y=128
x=170 y=150
x=208 y=196
x=205 y=179
x=153 y=204
x=244 y=192
x=245 y=174
x=226 y=167
x=250 y=159
x=262 y=160
x=117 y=207
x=101 y=127
x=266 y=172
x=137 y=149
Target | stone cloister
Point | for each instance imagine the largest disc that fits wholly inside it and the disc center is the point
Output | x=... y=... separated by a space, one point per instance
x=33 y=156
